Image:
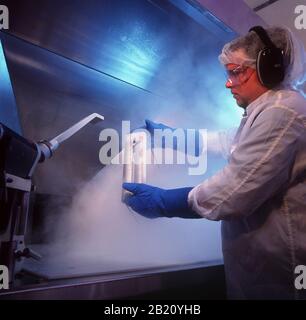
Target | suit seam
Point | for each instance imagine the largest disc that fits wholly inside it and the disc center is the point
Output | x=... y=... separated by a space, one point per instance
x=292 y=247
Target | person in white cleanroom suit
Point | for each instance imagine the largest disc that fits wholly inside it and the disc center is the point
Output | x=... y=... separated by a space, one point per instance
x=260 y=196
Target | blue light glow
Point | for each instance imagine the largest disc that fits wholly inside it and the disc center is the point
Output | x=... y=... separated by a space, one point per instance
x=301 y=86
x=8 y=109
x=135 y=55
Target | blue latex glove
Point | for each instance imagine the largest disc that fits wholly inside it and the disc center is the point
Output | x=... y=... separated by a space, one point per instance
x=151 y=126
x=153 y=202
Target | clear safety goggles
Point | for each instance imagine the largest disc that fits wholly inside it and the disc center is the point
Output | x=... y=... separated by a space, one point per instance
x=236 y=76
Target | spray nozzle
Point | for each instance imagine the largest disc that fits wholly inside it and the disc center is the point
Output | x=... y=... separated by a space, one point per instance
x=47 y=148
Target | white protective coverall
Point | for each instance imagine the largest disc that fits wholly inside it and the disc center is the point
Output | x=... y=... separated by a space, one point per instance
x=260 y=196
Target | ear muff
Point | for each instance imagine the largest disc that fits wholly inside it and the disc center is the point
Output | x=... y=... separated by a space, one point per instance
x=270 y=61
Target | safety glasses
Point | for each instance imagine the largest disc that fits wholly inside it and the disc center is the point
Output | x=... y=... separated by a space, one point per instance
x=235 y=76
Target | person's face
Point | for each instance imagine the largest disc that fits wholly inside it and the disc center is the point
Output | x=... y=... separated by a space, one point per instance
x=241 y=81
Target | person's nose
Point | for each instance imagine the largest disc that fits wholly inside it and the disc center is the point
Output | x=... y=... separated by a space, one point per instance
x=229 y=84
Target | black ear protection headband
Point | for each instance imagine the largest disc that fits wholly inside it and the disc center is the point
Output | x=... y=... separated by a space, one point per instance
x=270 y=60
